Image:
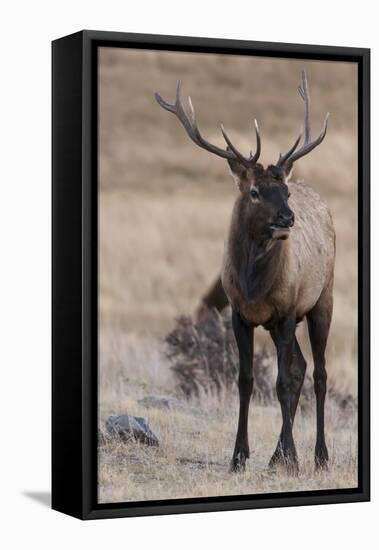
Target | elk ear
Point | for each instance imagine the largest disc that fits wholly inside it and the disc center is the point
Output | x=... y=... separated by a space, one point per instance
x=239 y=174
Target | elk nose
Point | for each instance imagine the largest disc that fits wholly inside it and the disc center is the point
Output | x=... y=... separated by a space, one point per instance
x=286 y=218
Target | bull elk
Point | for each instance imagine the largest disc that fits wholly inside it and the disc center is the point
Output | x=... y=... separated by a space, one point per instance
x=278 y=268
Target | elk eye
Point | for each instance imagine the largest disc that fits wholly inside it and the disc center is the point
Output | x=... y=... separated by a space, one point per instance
x=254 y=194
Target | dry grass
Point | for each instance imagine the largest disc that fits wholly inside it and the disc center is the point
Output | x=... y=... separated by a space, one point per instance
x=195 y=450
x=194 y=458
x=164 y=212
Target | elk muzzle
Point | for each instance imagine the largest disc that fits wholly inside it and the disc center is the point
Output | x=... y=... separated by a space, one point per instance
x=280 y=229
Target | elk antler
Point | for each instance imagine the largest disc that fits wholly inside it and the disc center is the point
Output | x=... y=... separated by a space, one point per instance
x=292 y=155
x=190 y=125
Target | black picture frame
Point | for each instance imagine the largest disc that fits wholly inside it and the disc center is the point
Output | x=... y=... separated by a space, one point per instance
x=74 y=273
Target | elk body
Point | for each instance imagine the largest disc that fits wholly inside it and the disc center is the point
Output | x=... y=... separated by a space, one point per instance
x=278 y=269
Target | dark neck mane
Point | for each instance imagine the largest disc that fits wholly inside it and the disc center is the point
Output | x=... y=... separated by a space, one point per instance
x=258 y=268
x=256 y=262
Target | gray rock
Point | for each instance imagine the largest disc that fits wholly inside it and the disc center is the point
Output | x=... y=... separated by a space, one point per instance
x=168 y=403
x=131 y=427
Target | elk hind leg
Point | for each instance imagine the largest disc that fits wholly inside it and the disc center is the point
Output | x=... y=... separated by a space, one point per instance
x=319 y=319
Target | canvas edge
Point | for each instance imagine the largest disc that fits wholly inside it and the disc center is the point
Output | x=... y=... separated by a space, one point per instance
x=83 y=503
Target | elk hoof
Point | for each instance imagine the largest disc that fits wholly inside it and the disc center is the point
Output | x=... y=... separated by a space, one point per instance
x=284 y=460
x=277 y=458
x=238 y=463
x=321 y=458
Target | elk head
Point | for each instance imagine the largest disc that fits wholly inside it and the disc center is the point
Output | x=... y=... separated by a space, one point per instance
x=264 y=189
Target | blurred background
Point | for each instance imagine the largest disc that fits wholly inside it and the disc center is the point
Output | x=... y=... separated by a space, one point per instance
x=165 y=204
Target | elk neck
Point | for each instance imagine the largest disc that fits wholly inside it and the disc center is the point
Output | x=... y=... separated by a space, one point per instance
x=258 y=260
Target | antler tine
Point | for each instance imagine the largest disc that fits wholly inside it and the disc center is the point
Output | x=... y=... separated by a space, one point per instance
x=194 y=133
x=283 y=158
x=168 y=106
x=253 y=159
x=238 y=155
x=304 y=92
x=191 y=126
x=292 y=155
x=178 y=110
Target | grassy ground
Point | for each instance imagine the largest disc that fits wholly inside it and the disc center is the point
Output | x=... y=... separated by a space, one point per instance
x=195 y=449
x=163 y=214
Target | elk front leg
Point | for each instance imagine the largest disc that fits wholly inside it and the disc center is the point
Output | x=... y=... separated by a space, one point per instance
x=284 y=339
x=297 y=371
x=244 y=334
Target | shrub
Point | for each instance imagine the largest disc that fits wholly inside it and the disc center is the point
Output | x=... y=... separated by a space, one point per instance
x=204 y=357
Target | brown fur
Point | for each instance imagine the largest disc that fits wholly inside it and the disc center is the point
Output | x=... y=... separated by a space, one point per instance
x=300 y=267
